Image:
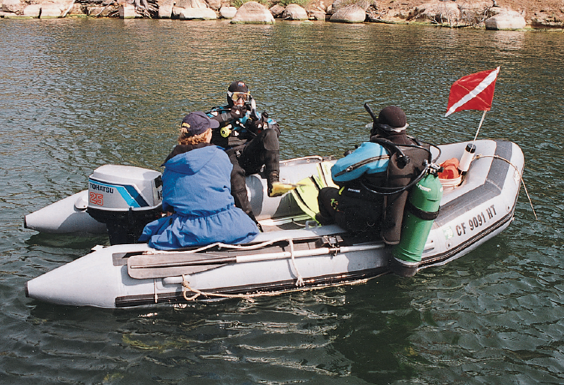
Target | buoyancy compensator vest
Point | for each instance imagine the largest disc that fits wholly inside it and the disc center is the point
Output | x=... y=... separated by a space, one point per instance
x=370 y=158
x=366 y=166
x=359 y=210
x=408 y=164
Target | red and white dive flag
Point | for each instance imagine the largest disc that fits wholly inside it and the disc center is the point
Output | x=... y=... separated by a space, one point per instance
x=472 y=92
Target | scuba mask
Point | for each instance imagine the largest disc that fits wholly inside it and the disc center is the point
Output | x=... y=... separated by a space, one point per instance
x=235 y=96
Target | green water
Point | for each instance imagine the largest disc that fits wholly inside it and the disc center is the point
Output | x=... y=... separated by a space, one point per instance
x=77 y=94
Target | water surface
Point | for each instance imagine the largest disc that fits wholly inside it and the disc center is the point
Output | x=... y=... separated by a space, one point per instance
x=79 y=93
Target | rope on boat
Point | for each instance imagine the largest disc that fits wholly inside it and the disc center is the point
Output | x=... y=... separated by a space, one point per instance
x=518 y=173
x=300 y=280
x=186 y=287
x=220 y=245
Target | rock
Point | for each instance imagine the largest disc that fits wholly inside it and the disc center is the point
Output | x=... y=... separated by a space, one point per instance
x=473 y=13
x=349 y=14
x=191 y=4
x=439 y=12
x=546 y=21
x=227 y=12
x=32 y=11
x=277 y=10
x=192 y=10
x=339 y=4
x=76 y=9
x=165 y=9
x=253 y=13
x=317 y=15
x=506 y=20
x=12 y=6
x=127 y=11
x=99 y=11
x=12 y=15
x=197 y=14
x=214 y=4
x=50 y=11
x=294 y=12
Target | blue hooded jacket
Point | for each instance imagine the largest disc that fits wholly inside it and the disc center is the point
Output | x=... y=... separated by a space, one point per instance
x=196 y=187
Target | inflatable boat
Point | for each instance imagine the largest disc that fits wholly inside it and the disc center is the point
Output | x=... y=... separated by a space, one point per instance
x=292 y=253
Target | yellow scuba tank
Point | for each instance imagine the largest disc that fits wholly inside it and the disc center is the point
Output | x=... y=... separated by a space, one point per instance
x=420 y=212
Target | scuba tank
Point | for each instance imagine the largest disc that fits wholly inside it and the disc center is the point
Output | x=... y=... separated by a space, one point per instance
x=421 y=210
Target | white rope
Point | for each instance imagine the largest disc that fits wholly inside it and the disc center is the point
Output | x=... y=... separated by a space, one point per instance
x=220 y=245
x=300 y=280
x=518 y=173
x=186 y=287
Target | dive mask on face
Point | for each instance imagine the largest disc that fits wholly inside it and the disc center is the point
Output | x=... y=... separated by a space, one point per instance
x=246 y=96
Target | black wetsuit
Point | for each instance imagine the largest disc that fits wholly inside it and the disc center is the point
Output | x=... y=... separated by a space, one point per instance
x=252 y=143
x=360 y=207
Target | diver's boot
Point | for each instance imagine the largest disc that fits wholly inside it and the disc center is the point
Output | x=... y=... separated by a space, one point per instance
x=252 y=216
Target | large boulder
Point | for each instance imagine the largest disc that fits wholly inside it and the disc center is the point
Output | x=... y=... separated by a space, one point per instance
x=317 y=15
x=191 y=4
x=12 y=6
x=226 y=12
x=127 y=11
x=506 y=20
x=349 y=14
x=32 y=11
x=165 y=9
x=51 y=11
x=437 y=11
x=77 y=9
x=472 y=13
x=340 y=4
x=197 y=14
x=214 y=4
x=294 y=12
x=277 y=10
x=253 y=13
x=545 y=20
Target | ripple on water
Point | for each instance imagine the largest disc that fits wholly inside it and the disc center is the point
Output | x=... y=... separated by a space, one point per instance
x=76 y=94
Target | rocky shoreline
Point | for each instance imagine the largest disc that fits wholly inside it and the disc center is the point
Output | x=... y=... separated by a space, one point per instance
x=508 y=15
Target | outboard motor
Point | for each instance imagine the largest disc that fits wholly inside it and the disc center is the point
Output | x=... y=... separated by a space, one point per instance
x=125 y=198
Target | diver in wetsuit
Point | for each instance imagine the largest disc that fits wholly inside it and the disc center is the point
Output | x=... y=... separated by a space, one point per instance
x=250 y=139
x=372 y=205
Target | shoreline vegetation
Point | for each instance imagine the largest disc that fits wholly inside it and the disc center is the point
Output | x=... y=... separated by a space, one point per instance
x=488 y=14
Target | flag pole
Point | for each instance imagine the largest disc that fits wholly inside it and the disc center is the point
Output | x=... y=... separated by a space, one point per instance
x=480 y=126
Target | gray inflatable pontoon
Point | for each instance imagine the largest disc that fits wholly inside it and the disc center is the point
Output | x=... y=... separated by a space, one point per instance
x=283 y=258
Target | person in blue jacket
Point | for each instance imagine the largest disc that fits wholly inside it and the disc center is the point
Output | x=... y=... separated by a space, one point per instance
x=197 y=195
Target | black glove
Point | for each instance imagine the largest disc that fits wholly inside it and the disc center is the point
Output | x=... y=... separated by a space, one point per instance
x=238 y=112
x=256 y=126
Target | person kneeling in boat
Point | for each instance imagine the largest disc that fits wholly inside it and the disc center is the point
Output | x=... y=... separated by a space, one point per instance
x=197 y=195
x=250 y=139
x=372 y=204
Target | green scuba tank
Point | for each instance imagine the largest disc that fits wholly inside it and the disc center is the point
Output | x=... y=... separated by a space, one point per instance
x=421 y=210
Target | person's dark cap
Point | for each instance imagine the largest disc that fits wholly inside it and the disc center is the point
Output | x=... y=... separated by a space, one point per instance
x=392 y=116
x=196 y=123
x=238 y=86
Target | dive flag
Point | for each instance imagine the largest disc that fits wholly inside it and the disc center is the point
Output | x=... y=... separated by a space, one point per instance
x=472 y=92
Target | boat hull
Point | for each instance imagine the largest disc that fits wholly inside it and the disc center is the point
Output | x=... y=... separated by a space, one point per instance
x=278 y=261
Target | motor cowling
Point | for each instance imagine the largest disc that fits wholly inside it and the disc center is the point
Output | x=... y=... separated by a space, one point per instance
x=125 y=198
x=420 y=212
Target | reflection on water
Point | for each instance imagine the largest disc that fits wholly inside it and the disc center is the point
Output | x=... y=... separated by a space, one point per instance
x=507 y=41
x=76 y=94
